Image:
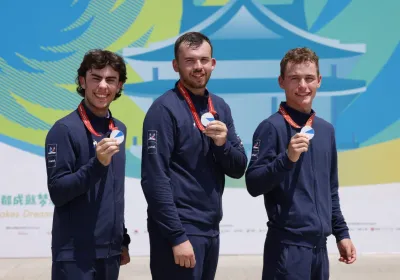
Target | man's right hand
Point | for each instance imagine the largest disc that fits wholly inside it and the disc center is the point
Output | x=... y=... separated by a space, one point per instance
x=298 y=144
x=105 y=149
x=184 y=254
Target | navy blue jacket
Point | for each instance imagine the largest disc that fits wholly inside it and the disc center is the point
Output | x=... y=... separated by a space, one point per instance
x=183 y=171
x=88 y=197
x=301 y=198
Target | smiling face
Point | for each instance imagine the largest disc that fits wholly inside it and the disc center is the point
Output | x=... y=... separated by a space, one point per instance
x=300 y=82
x=194 y=64
x=101 y=87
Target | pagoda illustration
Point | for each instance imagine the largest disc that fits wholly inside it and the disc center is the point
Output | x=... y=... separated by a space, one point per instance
x=249 y=41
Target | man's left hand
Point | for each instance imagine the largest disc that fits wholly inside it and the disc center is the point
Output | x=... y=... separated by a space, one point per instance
x=217 y=131
x=347 y=251
x=125 y=258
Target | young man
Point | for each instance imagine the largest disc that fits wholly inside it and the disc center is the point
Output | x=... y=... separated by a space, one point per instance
x=86 y=173
x=189 y=145
x=294 y=165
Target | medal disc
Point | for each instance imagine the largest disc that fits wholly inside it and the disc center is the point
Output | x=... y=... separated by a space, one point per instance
x=206 y=118
x=118 y=135
x=309 y=131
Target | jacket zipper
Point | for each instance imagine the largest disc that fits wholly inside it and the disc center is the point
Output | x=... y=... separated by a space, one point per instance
x=315 y=189
x=115 y=210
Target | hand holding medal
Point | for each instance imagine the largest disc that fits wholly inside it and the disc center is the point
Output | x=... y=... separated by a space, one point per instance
x=299 y=142
x=105 y=149
x=108 y=147
x=216 y=130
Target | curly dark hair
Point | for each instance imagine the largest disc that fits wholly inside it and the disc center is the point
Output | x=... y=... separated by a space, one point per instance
x=297 y=56
x=98 y=59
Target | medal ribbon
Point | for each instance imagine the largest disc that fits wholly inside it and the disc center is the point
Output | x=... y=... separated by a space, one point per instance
x=86 y=121
x=291 y=121
x=185 y=95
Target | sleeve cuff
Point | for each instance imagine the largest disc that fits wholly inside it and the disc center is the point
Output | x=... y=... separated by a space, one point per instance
x=341 y=236
x=98 y=166
x=287 y=163
x=221 y=150
x=178 y=240
x=126 y=241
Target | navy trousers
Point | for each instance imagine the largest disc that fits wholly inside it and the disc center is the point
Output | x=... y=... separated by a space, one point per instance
x=162 y=262
x=291 y=262
x=100 y=269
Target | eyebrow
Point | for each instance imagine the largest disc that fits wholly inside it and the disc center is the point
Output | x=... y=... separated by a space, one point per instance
x=192 y=57
x=297 y=75
x=98 y=76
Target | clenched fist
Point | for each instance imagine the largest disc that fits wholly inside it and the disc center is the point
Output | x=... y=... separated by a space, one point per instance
x=217 y=131
x=298 y=145
x=184 y=254
x=105 y=149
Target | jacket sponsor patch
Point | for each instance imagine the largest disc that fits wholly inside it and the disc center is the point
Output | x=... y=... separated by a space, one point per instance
x=256 y=149
x=51 y=155
x=152 y=138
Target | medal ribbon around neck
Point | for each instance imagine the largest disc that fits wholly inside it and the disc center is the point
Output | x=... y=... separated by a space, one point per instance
x=186 y=95
x=86 y=121
x=291 y=121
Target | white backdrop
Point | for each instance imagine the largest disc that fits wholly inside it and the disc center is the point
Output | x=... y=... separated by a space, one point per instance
x=372 y=213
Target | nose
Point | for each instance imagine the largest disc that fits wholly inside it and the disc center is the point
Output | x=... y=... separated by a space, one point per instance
x=198 y=64
x=103 y=84
x=302 y=83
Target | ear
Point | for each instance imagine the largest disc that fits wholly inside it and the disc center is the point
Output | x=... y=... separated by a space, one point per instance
x=120 y=84
x=280 y=81
x=319 y=81
x=213 y=63
x=175 y=65
x=82 y=81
